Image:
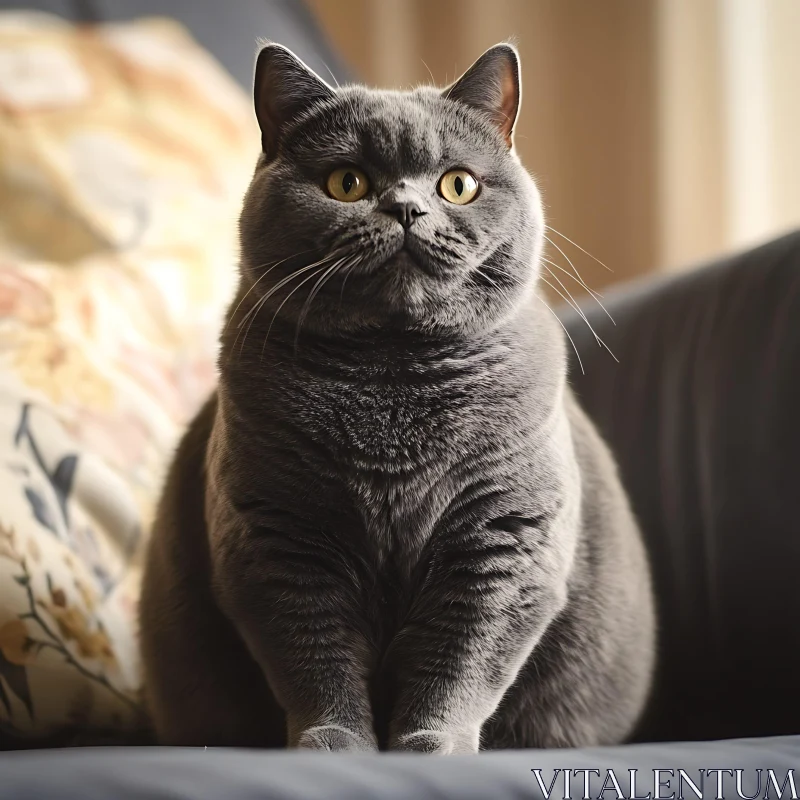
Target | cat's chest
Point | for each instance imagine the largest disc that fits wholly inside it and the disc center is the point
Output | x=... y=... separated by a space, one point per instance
x=394 y=434
x=399 y=450
x=389 y=445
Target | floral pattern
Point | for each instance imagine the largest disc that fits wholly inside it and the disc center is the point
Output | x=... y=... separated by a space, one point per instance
x=124 y=153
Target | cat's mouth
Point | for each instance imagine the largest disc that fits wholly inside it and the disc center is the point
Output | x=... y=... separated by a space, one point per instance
x=398 y=268
x=412 y=257
x=408 y=260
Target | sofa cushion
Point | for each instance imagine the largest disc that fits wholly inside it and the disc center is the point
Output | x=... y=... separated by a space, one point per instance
x=742 y=769
x=124 y=153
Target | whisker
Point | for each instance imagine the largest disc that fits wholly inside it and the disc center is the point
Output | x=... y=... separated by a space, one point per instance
x=285 y=280
x=558 y=319
x=569 y=260
x=312 y=294
x=253 y=312
x=578 y=246
x=582 y=282
x=505 y=291
x=583 y=316
x=275 y=263
x=565 y=296
x=595 y=295
x=575 y=303
x=259 y=279
x=348 y=271
x=486 y=277
x=570 y=300
x=288 y=278
x=283 y=303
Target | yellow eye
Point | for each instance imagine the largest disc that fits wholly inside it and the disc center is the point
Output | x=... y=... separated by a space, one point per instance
x=458 y=186
x=347 y=184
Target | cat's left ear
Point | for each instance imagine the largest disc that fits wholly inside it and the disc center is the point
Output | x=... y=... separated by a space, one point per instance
x=284 y=88
x=492 y=85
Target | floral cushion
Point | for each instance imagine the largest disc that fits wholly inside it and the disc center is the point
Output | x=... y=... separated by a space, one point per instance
x=124 y=153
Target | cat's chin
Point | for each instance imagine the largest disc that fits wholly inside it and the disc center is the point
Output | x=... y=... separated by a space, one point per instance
x=405 y=287
x=402 y=290
x=400 y=282
x=406 y=261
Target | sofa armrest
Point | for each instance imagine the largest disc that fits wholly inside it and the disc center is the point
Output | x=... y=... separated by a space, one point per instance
x=702 y=413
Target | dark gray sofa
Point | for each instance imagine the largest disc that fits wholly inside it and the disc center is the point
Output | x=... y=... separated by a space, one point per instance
x=175 y=774
x=703 y=415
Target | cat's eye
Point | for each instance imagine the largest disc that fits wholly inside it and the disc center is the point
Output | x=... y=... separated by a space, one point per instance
x=458 y=186
x=347 y=184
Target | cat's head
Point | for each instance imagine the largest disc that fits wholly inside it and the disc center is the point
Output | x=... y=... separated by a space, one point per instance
x=389 y=209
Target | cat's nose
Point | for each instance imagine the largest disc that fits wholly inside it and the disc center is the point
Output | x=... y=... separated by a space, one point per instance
x=406 y=212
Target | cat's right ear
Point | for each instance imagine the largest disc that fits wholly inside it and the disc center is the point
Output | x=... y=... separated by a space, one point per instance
x=284 y=88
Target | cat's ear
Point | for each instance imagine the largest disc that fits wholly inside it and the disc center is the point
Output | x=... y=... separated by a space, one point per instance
x=284 y=88
x=492 y=85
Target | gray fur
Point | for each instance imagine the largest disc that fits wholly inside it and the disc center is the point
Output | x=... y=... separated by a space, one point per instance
x=393 y=526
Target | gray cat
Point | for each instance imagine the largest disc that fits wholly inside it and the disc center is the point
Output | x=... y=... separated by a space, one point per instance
x=393 y=527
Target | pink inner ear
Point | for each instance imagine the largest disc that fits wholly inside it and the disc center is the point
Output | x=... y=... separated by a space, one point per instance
x=508 y=105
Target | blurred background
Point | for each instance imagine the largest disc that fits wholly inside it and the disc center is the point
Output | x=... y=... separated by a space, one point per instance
x=662 y=132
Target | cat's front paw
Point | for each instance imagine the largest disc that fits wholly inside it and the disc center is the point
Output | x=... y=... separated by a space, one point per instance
x=439 y=743
x=336 y=739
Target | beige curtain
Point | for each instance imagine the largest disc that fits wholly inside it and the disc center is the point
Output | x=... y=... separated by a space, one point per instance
x=660 y=131
x=729 y=124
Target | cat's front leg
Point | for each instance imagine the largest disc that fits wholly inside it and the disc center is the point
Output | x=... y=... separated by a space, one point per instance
x=489 y=595
x=295 y=602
